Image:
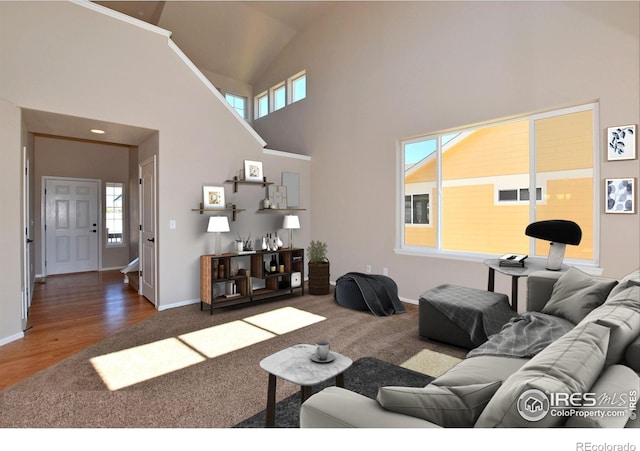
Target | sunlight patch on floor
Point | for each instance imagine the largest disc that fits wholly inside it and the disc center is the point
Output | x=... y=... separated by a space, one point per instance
x=218 y=340
x=284 y=320
x=130 y=366
x=134 y=365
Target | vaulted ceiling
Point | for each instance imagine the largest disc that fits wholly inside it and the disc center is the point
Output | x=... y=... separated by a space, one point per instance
x=235 y=39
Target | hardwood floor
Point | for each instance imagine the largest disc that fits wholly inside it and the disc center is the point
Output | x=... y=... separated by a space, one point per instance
x=69 y=313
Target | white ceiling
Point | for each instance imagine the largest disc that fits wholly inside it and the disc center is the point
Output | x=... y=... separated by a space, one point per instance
x=235 y=39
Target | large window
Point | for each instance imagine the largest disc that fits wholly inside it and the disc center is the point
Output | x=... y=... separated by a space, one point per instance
x=114 y=213
x=468 y=191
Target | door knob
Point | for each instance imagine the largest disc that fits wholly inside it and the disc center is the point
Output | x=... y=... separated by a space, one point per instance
x=152 y=240
x=29 y=240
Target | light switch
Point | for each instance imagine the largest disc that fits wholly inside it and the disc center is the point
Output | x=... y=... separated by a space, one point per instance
x=172 y=224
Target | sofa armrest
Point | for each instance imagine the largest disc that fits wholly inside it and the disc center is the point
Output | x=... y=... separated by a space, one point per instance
x=336 y=407
x=539 y=289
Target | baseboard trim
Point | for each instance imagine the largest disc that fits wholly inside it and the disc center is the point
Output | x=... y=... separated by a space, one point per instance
x=11 y=338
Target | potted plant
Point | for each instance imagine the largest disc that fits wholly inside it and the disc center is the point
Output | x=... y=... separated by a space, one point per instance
x=318 y=268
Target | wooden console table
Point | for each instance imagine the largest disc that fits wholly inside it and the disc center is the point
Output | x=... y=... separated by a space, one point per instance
x=252 y=283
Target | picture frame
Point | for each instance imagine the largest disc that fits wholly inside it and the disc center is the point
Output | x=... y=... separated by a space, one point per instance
x=213 y=197
x=277 y=196
x=253 y=171
x=621 y=142
x=620 y=195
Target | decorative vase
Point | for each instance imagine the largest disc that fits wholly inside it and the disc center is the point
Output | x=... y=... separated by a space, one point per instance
x=279 y=241
x=264 y=243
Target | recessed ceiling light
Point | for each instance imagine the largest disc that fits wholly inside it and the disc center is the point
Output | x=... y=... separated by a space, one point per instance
x=97 y=131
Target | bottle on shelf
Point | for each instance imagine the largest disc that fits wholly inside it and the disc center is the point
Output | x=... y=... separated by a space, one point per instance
x=273 y=265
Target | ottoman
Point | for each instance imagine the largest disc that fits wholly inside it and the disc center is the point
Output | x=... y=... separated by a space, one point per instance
x=461 y=316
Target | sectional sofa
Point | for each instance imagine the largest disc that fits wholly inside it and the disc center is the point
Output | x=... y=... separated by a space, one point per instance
x=587 y=377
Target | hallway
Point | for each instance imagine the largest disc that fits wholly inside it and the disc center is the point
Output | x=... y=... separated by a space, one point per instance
x=69 y=313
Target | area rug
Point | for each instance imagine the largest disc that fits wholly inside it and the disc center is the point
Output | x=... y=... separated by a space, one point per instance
x=431 y=362
x=365 y=376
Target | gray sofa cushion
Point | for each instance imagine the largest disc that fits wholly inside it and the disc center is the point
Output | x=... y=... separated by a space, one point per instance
x=632 y=355
x=631 y=279
x=480 y=370
x=575 y=294
x=569 y=365
x=616 y=385
x=621 y=314
x=335 y=407
x=445 y=406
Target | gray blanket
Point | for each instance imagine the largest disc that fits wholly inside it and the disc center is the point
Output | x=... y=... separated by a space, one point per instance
x=524 y=336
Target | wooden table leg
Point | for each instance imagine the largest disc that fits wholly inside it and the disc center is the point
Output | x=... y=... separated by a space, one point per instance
x=271 y=402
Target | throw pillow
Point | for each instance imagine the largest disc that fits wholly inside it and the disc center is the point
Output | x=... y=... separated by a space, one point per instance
x=569 y=365
x=575 y=294
x=445 y=406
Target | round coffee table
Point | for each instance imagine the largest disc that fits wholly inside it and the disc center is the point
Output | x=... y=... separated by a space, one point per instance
x=294 y=364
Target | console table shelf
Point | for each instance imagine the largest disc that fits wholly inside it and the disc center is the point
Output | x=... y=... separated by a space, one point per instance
x=252 y=282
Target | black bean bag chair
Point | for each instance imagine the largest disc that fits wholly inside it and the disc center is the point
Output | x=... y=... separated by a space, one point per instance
x=373 y=292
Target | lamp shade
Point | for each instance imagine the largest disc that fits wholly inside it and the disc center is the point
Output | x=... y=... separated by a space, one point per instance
x=218 y=224
x=291 y=222
x=556 y=231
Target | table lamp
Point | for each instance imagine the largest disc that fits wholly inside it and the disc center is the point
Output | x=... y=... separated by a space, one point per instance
x=291 y=222
x=560 y=233
x=218 y=224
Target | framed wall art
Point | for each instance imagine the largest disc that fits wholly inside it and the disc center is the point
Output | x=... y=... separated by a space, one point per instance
x=277 y=196
x=213 y=197
x=621 y=142
x=620 y=195
x=253 y=171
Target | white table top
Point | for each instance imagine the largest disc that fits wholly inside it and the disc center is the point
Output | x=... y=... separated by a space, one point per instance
x=294 y=364
x=531 y=264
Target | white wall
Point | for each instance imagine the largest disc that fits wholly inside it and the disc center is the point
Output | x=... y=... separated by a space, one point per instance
x=378 y=72
x=64 y=58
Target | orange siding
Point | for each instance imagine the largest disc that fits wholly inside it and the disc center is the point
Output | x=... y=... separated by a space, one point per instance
x=564 y=142
x=497 y=150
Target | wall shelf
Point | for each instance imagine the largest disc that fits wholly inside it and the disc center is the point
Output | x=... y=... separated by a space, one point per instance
x=236 y=181
x=233 y=209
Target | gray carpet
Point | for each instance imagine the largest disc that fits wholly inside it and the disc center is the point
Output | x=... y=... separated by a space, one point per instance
x=218 y=392
x=365 y=376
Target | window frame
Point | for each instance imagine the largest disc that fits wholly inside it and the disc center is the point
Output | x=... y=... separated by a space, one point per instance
x=437 y=251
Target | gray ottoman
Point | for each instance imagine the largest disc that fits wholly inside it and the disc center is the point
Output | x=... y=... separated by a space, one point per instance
x=461 y=316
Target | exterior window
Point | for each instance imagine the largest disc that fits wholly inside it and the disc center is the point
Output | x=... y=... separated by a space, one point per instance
x=114 y=213
x=279 y=96
x=298 y=88
x=417 y=209
x=262 y=105
x=238 y=103
x=477 y=182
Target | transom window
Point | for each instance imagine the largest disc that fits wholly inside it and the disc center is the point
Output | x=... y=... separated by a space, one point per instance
x=279 y=96
x=262 y=105
x=472 y=185
x=298 y=88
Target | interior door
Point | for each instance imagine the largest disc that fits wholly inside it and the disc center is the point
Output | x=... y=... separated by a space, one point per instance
x=28 y=278
x=71 y=225
x=148 y=263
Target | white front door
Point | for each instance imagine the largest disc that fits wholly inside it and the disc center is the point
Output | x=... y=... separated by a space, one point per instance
x=71 y=225
x=148 y=242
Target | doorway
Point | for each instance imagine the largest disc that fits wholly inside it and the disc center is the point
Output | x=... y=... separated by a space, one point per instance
x=148 y=252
